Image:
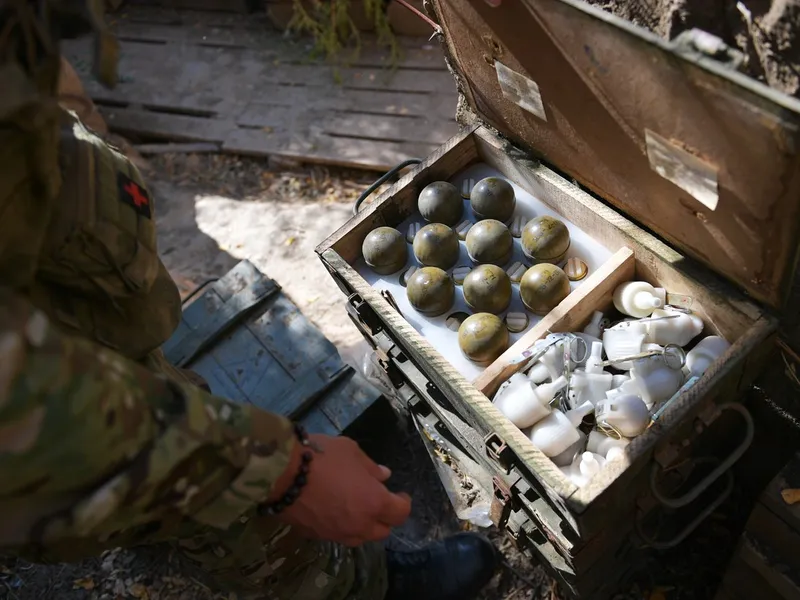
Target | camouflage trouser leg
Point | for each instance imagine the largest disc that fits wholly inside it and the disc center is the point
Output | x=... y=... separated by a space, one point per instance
x=264 y=559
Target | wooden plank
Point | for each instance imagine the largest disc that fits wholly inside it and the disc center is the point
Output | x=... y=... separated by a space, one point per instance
x=348 y=399
x=170 y=148
x=395 y=129
x=428 y=105
x=159 y=125
x=570 y=315
x=288 y=50
x=292 y=339
x=217 y=379
x=345 y=152
x=316 y=421
x=232 y=311
x=250 y=368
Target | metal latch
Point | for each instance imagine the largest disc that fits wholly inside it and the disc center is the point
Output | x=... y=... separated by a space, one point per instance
x=499 y=452
x=363 y=313
x=501 y=502
x=698 y=42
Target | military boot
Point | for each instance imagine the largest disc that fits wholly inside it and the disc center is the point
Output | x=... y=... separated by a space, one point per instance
x=456 y=568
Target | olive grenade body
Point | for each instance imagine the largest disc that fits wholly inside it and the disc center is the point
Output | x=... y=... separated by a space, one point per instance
x=543 y=287
x=545 y=239
x=384 y=250
x=441 y=202
x=482 y=337
x=493 y=198
x=430 y=291
x=487 y=288
x=489 y=242
x=436 y=245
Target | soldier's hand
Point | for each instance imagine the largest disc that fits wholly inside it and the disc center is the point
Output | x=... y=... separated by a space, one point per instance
x=345 y=499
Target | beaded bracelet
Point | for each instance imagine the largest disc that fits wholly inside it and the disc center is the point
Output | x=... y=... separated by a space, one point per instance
x=299 y=481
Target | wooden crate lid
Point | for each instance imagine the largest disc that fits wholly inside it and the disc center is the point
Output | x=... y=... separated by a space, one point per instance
x=703 y=156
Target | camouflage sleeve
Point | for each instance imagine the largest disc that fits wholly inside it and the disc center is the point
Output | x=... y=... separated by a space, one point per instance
x=93 y=446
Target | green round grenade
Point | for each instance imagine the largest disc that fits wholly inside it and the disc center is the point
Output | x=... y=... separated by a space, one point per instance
x=441 y=202
x=489 y=242
x=487 y=288
x=545 y=239
x=483 y=337
x=436 y=245
x=384 y=250
x=543 y=287
x=493 y=198
x=430 y=291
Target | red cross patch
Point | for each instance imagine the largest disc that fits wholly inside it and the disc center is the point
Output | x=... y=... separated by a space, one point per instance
x=134 y=195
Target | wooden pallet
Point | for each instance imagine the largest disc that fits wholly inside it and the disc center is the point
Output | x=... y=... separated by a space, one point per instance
x=233 y=81
x=766 y=564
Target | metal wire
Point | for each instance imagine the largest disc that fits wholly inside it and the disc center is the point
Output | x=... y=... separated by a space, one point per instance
x=716 y=473
x=391 y=173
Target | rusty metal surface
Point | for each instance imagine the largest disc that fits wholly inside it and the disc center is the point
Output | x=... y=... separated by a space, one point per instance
x=702 y=156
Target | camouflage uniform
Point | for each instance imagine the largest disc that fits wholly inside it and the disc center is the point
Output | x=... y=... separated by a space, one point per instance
x=102 y=443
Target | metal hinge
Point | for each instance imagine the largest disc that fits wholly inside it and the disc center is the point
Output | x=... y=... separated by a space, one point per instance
x=499 y=452
x=501 y=503
x=363 y=313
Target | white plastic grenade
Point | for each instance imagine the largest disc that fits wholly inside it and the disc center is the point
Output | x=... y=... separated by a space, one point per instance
x=585 y=466
x=525 y=404
x=704 y=353
x=639 y=298
x=681 y=329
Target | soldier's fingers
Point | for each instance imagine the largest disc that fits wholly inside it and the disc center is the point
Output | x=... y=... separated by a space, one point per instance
x=379 y=532
x=377 y=471
x=396 y=510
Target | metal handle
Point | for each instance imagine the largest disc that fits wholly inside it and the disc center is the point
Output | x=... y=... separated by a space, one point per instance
x=716 y=473
x=674 y=541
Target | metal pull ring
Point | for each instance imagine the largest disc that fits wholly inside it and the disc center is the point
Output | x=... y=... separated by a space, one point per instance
x=716 y=473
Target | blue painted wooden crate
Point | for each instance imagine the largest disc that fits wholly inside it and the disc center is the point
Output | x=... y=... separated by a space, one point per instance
x=252 y=344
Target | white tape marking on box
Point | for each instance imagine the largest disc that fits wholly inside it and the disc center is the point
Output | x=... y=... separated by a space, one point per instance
x=693 y=175
x=521 y=90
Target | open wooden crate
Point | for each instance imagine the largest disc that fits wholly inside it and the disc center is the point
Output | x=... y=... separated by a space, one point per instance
x=578 y=532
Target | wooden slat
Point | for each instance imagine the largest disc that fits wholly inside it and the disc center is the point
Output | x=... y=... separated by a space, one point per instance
x=248 y=90
x=289 y=50
x=424 y=104
x=167 y=126
x=389 y=128
x=249 y=368
x=570 y=315
x=345 y=152
x=347 y=400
